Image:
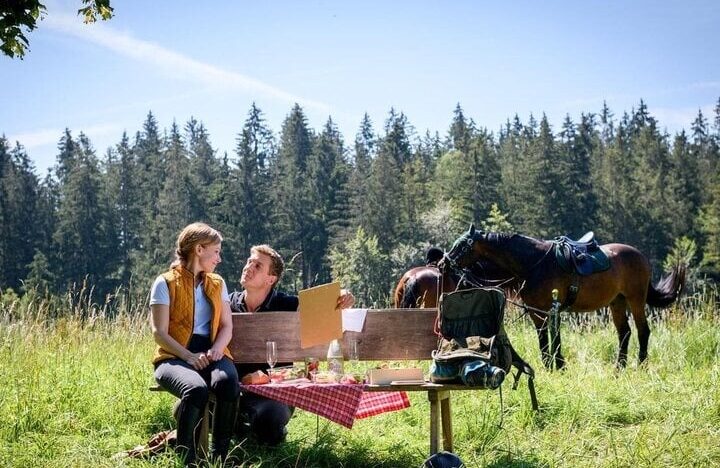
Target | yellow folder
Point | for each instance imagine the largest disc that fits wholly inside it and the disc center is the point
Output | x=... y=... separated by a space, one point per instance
x=320 y=320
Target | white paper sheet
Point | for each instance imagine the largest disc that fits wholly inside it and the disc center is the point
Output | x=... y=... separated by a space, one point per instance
x=353 y=319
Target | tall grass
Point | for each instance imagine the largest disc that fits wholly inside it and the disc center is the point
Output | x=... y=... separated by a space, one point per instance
x=74 y=380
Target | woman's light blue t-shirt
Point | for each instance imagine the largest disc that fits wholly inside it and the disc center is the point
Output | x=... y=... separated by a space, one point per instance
x=159 y=294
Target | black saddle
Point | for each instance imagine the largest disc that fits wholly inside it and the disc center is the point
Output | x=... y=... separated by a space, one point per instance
x=583 y=256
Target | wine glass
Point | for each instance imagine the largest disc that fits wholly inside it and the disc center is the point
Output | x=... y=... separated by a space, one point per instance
x=271 y=353
x=353 y=355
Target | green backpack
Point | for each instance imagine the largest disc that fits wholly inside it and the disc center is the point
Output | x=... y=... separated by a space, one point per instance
x=473 y=348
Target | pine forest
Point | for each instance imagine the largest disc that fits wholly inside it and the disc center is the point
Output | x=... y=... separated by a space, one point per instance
x=362 y=209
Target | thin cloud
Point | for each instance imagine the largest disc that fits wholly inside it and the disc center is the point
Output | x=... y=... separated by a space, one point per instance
x=179 y=64
x=50 y=136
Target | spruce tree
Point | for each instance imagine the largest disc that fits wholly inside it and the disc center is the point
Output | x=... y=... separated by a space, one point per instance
x=551 y=187
x=365 y=143
x=224 y=216
x=460 y=133
x=126 y=202
x=607 y=125
x=649 y=214
x=486 y=173
x=396 y=142
x=84 y=237
x=577 y=145
x=256 y=151
x=46 y=219
x=387 y=217
x=614 y=189
x=512 y=172
x=331 y=171
x=178 y=203
x=291 y=194
x=704 y=153
x=39 y=278
x=18 y=189
x=66 y=156
x=203 y=166
x=151 y=169
x=683 y=188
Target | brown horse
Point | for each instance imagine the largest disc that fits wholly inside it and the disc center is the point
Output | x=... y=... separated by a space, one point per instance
x=625 y=284
x=418 y=287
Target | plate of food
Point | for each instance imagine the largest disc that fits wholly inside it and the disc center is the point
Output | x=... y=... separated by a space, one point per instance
x=325 y=377
x=286 y=373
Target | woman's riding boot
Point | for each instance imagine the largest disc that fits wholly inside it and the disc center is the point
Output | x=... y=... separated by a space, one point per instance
x=223 y=422
x=188 y=417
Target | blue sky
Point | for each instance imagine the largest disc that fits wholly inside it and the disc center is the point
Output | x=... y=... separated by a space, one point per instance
x=211 y=60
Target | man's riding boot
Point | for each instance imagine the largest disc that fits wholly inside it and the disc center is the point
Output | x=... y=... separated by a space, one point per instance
x=223 y=422
x=188 y=417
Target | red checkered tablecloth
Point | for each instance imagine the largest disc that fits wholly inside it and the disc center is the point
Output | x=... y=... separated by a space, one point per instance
x=339 y=403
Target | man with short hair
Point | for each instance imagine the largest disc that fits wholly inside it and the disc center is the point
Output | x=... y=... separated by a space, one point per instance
x=266 y=418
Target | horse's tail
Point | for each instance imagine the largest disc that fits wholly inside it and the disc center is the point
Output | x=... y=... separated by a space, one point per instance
x=668 y=288
x=410 y=295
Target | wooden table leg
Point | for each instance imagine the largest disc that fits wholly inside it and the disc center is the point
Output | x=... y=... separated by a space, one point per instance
x=434 y=421
x=446 y=416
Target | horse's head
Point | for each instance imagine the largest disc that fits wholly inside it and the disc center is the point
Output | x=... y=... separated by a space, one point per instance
x=462 y=254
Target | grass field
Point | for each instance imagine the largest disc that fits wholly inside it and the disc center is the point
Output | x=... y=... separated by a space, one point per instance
x=74 y=391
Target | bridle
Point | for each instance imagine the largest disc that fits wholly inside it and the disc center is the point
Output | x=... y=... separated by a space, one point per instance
x=463 y=246
x=458 y=251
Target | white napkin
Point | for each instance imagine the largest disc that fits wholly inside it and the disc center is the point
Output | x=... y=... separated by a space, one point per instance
x=353 y=319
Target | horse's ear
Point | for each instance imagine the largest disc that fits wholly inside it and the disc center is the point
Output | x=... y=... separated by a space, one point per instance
x=471 y=231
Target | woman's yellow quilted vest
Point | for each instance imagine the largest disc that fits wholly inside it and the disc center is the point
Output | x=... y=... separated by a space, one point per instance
x=181 y=285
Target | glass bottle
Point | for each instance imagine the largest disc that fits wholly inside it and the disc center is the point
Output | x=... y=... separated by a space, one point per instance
x=335 y=358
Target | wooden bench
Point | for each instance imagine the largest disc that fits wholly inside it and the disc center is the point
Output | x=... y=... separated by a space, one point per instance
x=388 y=335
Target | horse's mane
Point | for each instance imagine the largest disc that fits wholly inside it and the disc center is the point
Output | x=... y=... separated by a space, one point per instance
x=525 y=250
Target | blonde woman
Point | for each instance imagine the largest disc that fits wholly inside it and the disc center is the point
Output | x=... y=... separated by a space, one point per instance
x=192 y=326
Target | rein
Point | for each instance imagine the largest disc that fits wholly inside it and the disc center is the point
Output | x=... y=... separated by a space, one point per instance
x=469 y=277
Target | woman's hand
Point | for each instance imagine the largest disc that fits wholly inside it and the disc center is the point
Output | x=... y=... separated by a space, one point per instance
x=214 y=354
x=198 y=361
x=346 y=299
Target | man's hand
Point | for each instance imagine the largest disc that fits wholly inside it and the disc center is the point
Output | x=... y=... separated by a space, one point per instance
x=346 y=299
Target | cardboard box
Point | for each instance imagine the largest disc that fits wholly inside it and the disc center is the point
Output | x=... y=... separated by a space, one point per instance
x=386 y=376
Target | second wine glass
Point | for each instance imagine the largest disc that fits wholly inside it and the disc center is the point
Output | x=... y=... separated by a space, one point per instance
x=271 y=353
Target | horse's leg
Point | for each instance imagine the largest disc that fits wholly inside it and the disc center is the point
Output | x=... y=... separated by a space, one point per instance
x=618 y=308
x=541 y=327
x=637 y=308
